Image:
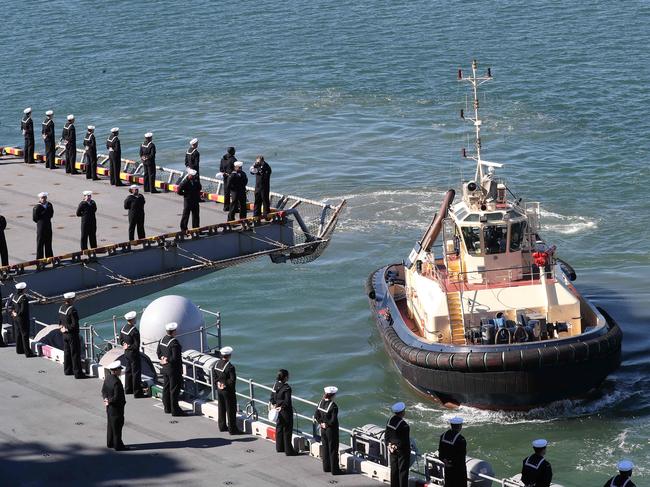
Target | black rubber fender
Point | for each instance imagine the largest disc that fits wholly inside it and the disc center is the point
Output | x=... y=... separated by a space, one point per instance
x=493 y=361
x=443 y=361
x=530 y=359
x=459 y=361
x=512 y=360
x=476 y=362
x=549 y=356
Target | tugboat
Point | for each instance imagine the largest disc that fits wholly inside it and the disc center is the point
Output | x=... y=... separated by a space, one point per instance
x=482 y=312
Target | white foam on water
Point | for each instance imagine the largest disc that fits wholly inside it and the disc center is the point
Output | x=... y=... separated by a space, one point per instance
x=565 y=224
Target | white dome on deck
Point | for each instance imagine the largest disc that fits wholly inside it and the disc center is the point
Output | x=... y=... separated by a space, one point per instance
x=167 y=309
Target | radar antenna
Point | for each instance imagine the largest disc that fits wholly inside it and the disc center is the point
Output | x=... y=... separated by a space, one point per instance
x=476 y=81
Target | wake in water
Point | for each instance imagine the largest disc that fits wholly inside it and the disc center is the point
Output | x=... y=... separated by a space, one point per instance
x=395 y=210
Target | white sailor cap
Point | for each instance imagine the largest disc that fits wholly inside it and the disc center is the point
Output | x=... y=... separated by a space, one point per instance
x=541 y=443
x=238 y=164
x=625 y=466
x=456 y=420
x=134 y=186
x=69 y=295
x=194 y=141
x=130 y=315
x=49 y=113
x=91 y=127
x=87 y=193
x=398 y=407
x=21 y=285
x=330 y=389
x=226 y=351
x=114 y=365
x=115 y=129
x=171 y=326
x=71 y=117
x=43 y=194
x=191 y=172
x=148 y=135
x=27 y=110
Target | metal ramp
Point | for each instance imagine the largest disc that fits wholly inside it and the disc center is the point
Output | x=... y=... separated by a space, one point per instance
x=118 y=271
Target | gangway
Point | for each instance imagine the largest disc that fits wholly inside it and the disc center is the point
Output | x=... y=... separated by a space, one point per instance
x=297 y=230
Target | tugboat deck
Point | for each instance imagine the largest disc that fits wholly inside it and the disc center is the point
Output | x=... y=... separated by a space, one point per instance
x=57 y=429
x=22 y=182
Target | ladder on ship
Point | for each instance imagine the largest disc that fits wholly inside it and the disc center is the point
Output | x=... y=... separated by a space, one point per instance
x=455 y=303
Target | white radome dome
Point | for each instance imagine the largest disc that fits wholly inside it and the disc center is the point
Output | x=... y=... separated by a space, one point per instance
x=167 y=309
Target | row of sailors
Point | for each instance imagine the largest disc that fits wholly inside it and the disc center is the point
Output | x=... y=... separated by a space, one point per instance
x=452 y=447
x=227 y=166
x=190 y=188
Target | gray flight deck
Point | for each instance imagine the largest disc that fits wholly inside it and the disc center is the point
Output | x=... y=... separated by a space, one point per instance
x=53 y=433
x=18 y=194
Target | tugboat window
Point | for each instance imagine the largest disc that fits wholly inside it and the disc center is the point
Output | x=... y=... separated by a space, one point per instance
x=472 y=237
x=517 y=231
x=495 y=238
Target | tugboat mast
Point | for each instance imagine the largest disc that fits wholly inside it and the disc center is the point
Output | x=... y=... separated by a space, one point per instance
x=476 y=81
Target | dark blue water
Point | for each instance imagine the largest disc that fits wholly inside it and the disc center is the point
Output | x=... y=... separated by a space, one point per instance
x=359 y=100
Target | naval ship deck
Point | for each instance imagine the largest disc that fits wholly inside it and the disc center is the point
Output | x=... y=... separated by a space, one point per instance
x=53 y=433
x=21 y=183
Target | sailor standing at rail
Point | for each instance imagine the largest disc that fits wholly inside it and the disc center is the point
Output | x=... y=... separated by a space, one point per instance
x=190 y=190
x=19 y=307
x=262 y=172
x=148 y=158
x=192 y=156
x=4 y=252
x=226 y=392
x=170 y=354
x=536 y=470
x=226 y=166
x=281 y=400
x=115 y=156
x=47 y=132
x=327 y=417
x=135 y=204
x=452 y=450
x=130 y=340
x=69 y=138
x=87 y=210
x=90 y=153
x=398 y=442
x=42 y=215
x=114 y=400
x=624 y=477
x=69 y=326
x=27 y=127
x=237 y=182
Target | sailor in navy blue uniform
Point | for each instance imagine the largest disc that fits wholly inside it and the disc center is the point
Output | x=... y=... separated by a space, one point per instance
x=192 y=156
x=624 y=477
x=47 y=132
x=4 y=252
x=42 y=216
x=536 y=470
x=190 y=190
x=262 y=172
x=115 y=156
x=19 y=310
x=170 y=354
x=27 y=127
x=226 y=377
x=237 y=182
x=398 y=443
x=148 y=158
x=135 y=204
x=87 y=210
x=452 y=450
x=130 y=340
x=69 y=138
x=90 y=153
x=226 y=166
x=114 y=400
x=69 y=326
x=281 y=400
x=327 y=417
